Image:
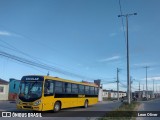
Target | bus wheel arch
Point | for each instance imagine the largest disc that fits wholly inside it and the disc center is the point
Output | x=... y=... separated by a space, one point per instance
x=86 y=103
x=57 y=106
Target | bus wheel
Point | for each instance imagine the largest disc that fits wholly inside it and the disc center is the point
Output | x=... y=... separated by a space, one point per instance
x=86 y=104
x=57 y=107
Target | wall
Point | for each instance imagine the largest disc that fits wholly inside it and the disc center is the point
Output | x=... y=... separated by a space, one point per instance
x=13 y=89
x=111 y=94
x=100 y=93
x=105 y=94
x=114 y=94
x=4 y=94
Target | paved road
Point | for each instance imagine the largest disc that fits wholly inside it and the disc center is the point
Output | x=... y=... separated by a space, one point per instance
x=150 y=107
x=96 y=109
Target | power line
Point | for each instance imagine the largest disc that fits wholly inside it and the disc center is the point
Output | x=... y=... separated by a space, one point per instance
x=38 y=42
x=11 y=47
x=136 y=80
x=39 y=65
x=123 y=84
x=19 y=51
x=108 y=82
x=42 y=44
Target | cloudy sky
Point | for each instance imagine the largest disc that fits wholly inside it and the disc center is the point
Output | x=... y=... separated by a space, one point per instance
x=83 y=37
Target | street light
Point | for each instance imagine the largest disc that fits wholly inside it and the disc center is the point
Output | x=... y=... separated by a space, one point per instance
x=128 y=76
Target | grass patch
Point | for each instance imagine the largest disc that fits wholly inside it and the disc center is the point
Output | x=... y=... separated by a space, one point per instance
x=128 y=107
x=124 y=112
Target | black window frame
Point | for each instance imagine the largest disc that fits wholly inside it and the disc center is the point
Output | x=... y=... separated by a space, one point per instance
x=2 y=89
x=68 y=87
x=14 y=86
x=96 y=90
x=91 y=90
x=74 y=88
x=51 y=81
x=87 y=93
x=57 y=86
x=80 y=86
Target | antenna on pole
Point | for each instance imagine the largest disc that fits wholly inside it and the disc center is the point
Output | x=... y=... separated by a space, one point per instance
x=48 y=73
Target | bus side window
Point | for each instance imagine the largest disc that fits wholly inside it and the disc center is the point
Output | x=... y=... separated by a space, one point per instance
x=58 y=87
x=74 y=88
x=87 y=90
x=92 y=90
x=67 y=87
x=96 y=91
x=48 y=88
x=81 y=89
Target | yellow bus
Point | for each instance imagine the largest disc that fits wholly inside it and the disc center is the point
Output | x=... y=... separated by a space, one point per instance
x=43 y=93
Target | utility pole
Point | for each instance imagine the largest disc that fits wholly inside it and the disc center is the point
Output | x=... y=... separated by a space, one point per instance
x=153 y=85
x=117 y=84
x=131 y=86
x=128 y=75
x=143 y=91
x=156 y=87
x=146 y=82
x=153 y=88
x=139 y=94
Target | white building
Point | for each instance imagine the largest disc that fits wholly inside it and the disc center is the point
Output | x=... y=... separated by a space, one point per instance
x=4 y=89
x=112 y=94
x=142 y=94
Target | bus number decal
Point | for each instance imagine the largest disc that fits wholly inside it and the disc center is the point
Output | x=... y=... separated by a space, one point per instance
x=82 y=96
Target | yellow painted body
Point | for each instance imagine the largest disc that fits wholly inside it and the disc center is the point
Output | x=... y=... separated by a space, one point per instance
x=47 y=102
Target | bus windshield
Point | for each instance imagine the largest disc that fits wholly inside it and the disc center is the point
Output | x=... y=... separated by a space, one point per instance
x=30 y=90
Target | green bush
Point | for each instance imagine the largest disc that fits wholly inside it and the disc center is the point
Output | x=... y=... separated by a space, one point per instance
x=124 y=112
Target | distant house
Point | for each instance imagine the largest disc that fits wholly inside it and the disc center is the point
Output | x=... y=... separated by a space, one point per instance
x=113 y=94
x=4 y=86
x=13 y=88
x=106 y=93
x=142 y=94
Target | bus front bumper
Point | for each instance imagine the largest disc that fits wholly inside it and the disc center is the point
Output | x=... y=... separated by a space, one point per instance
x=29 y=107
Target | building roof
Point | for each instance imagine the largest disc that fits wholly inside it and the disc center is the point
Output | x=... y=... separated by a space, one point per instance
x=143 y=91
x=106 y=90
x=113 y=91
x=13 y=79
x=3 y=82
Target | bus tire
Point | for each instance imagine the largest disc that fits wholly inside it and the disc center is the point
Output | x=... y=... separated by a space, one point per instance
x=57 y=106
x=86 y=104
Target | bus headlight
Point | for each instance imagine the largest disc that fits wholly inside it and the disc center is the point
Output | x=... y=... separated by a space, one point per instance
x=37 y=102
